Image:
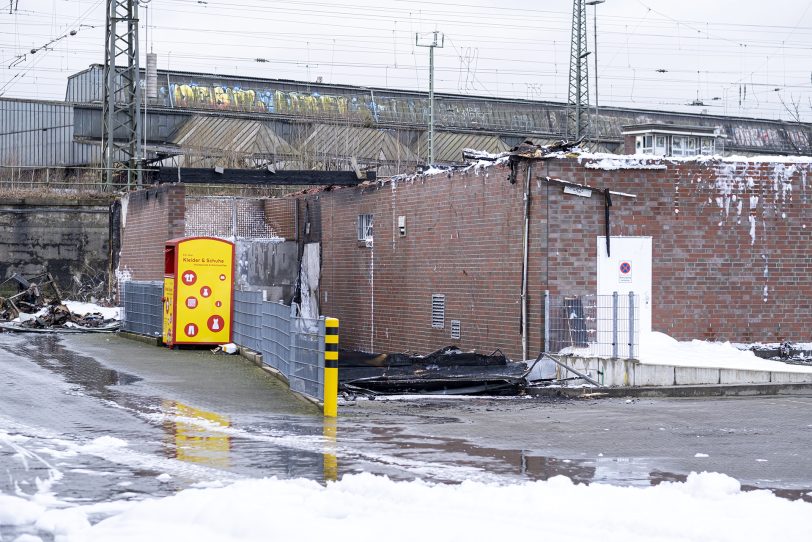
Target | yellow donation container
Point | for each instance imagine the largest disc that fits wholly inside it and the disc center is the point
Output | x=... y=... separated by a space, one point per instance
x=198 y=291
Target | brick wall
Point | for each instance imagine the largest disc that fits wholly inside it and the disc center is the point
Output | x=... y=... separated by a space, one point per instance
x=280 y=215
x=730 y=251
x=150 y=218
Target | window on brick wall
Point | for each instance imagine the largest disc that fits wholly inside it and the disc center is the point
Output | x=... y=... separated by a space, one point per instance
x=438 y=311
x=364 y=227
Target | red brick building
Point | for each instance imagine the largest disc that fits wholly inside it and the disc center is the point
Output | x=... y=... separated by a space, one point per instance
x=730 y=242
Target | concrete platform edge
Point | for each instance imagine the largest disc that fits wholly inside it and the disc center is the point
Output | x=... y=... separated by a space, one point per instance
x=154 y=341
x=708 y=390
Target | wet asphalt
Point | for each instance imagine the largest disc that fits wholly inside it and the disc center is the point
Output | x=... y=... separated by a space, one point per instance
x=185 y=417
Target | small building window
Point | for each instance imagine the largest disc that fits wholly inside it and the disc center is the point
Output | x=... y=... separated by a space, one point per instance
x=678 y=145
x=660 y=146
x=455 y=329
x=708 y=146
x=645 y=144
x=364 y=227
x=438 y=311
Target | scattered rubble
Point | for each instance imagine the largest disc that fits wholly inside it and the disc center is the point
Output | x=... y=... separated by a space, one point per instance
x=35 y=304
x=788 y=352
x=27 y=295
x=448 y=371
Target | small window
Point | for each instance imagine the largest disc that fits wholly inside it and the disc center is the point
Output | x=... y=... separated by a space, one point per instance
x=678 y=145
x=364 y=227
x=648 y=144
x=438 y=311
x=659 y=145
x=455 y=329
x=708 y=146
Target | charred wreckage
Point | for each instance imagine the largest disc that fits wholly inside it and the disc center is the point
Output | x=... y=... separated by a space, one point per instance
x=35 y=304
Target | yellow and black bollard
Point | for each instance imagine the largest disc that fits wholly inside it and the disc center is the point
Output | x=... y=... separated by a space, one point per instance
x=331 y=367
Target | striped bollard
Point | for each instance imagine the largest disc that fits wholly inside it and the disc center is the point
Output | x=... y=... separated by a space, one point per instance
x=331 y=367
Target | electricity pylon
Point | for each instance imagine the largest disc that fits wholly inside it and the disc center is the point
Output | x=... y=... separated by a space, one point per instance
x=578 y=95
x=122 y=98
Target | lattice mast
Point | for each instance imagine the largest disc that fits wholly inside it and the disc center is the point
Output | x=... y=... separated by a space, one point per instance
x=578 y=95
x=122 y=97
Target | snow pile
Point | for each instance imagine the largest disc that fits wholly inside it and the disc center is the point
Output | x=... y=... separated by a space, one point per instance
x=707 y=506
x=660 y=349
x=611 y=162
x=80 y=308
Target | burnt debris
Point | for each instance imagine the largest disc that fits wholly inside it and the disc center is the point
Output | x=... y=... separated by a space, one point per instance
x=19 y=294
x=35 y=304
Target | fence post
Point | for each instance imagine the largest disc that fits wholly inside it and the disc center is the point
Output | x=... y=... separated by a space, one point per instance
x=546 y=320
x=331 y=367
x=614 y=326
x=631 y=325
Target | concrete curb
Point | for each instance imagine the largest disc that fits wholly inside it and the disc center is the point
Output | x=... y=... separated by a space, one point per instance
x=256 y=359
x=732 y=390
x=146 y=339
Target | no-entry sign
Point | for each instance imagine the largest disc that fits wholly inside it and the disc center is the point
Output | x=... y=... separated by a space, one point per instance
x=625 y=270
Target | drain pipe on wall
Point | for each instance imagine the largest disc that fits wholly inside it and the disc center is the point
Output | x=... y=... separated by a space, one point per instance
x=525 y=243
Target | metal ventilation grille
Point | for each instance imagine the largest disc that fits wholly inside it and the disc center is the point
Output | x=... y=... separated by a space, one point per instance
x=455 y=329
x=438 y=311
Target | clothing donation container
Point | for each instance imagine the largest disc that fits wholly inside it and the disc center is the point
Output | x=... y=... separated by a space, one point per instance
x=198 y=291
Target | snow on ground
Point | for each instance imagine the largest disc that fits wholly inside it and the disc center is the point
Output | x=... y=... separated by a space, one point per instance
x=81 y=308
x=708 y=506
x=660 y=349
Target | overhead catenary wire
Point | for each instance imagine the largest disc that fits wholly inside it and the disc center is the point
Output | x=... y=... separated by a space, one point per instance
x=510 y=55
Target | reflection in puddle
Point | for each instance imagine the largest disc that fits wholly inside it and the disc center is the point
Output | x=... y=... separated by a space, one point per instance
x=330 y=460
x=84 y=371
x=194 y=435
x=623 y=471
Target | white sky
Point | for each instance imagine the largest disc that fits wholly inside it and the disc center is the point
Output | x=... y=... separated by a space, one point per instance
x=731 y=55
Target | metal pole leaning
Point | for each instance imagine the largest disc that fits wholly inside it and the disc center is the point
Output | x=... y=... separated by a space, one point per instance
x=331 y=367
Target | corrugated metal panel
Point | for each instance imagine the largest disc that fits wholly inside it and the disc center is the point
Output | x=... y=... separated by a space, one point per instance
x=366 y=144
x=210 y=137
x=86 y=86
x=214 y=136
x=448 y=146
x=35 y=133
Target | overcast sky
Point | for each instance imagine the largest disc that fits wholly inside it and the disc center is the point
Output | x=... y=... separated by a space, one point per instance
x=737 y=57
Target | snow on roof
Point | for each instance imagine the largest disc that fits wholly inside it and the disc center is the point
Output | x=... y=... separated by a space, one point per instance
x=610 y=162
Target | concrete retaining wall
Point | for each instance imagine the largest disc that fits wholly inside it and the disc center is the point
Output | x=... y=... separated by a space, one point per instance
x=68 y=237
x=625 y=373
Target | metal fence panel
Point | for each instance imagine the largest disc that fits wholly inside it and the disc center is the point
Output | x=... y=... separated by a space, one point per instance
x=307 y=357
x=143 y=307
x=276 y=336
x=593 y=325
x=247 y=322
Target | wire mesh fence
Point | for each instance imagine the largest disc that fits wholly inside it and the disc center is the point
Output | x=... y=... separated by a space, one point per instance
x=247 y=323
x=143 y=307
x=227 y=217
x=604 y=326
x=276 y=336
x=307 y=357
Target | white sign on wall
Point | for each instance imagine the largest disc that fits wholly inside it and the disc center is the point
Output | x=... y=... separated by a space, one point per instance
x=628 y=269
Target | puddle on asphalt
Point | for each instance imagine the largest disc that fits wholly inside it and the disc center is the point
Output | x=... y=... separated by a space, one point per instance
x=47 y=352
x=210 y=439
x=625 y=471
